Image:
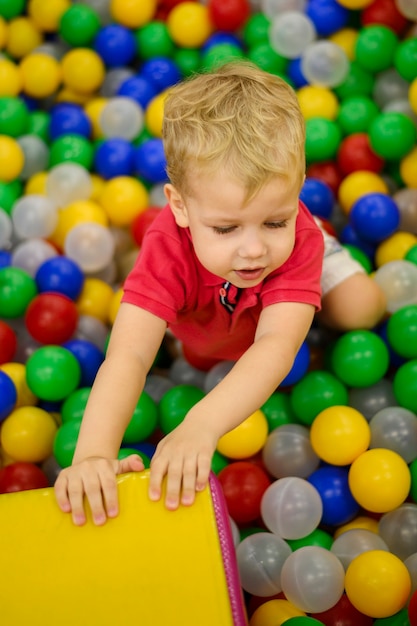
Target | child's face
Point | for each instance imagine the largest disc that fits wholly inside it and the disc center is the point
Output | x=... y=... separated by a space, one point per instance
x=241 y=244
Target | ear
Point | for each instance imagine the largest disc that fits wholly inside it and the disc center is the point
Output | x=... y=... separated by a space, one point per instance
x=177 y=205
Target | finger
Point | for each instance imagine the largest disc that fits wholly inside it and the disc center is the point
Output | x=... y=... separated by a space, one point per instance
x=174 y=483
x=93 y=490
x=61 y=493
x=158 y=471
x=110 y=494
x=132 y=463
x=76 y=498
x=203 y=472
x=188 y=482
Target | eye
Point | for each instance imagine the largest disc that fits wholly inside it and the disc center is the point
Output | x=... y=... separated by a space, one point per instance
x=223 y=230
x=274 y=225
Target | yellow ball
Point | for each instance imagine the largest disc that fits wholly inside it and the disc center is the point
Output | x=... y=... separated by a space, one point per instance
x=133 y=13
x=12 y=159
x=246 y=439
x=77 y=213
x=41 y=75
x=274 y=613
x=46 y=14
x=23 y=37
x=408 y=169
x=412 y=95
x=115 y=305
x=339 y=434
x=97 y=184
x=379 y=480
x=377 y=583
x=17 y=372
x=154 y=114
x=356 y=185
x=82 y=70
x=10 y=78
x=189 y=24
x=362 y=522
x=345 y=38
x=69 y=95
x=4 y=33
x=355 y=4
x=28 y=434
x=123 y=198
x=394 y=248
x=316 y=101
x=93 y=109
x=95 y=299
x=37 y=184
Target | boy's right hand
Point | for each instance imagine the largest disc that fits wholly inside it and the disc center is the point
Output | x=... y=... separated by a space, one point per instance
x=95 y=477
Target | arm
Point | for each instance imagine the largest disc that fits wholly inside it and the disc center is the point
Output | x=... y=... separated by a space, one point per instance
x=135 y=340
x=185 y=454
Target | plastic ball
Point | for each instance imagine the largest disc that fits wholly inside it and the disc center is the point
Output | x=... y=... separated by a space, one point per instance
x=189 y=24
x=123 y=198
x=29 y=254
x=8 y=396
x=52 y=373
x=65 y=442
x=291 y=507
x=51 y=318
x=370 y=400
x=354 y=542
x=23 y=37
x=360 y=358
x=312 y=578
x=375 y=47
x=377 y=583
x=398 y=529
x=299 y=366
x=150 y=161
x=379 y=480
x=68 y=182
x=153 y=40
x=82 y=70
x=78 y=25
x=339 y=506
x=260 y=558
x=392 y=135
x=288 y=452
x=11 y=159
x=324 y=63
x=133 y=13
x=175 y=404
x=316 y=391
x=355 y=114
x=6 y=230
x=73 y=148
x=318 y=197
x=36 y=155
x=27 y=434
x=343 y=613
x=406 y=200
x=339 y=434
x=405 y=385
x=114 y=157
x=358 y=184
x=269 y=612
x=90 y=245
x=95 y=299
x=141 y=222
x=41 y=75
x=323 y=138
x=115 y=44
x=374 y=217
x=317 y=101
x=398 y=281
x=243 y=485
x=154 y=114
x=68 y=118
x=121 y=117
x=61 y=275
x=8 y=342
x=139 y=89
x=408 y=168
x=402 y=331
x=290 y=33
x=17 y=289
x=21 y=476
x=143 y=422
x=34 y=216
x=355 y=153
x=74 y=405
x=11 y=79
x=245 y=440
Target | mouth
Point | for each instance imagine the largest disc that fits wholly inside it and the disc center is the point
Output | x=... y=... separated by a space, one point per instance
x=250 y=274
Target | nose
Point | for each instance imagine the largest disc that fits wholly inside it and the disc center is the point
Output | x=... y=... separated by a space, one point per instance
x=252 y=245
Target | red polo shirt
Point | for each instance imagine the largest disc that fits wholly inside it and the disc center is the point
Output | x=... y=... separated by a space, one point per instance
x=169 y=281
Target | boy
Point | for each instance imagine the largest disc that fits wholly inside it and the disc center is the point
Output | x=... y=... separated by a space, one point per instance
x=232 y=266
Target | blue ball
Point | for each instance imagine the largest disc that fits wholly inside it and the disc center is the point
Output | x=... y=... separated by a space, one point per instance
x=295 y=73
x=150 y=162
x=5 y=258
x=328 y=16
x=219 y=38
x=89 y=357
x=162 y=72
x=69 y=119
x=339 y=506
x=318 y=197
x=139 y=89
x=375 y=216
x=62 y=275
x=116 y=45
x=299 y=367
x=8 y=395
x=114 y=157
x=349 y=236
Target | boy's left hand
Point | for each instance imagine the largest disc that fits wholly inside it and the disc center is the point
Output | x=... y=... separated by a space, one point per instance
x=184 y=456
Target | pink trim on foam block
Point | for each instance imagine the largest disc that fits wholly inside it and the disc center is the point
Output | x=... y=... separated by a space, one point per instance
x=228 y=553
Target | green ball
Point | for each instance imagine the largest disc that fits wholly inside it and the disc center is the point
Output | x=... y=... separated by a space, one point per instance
x=14 y=116
x=74 y=405
x=65 y=442
x=392 y=135
x=411 y=254
x=356 y=114
x=124 y=452
x=358 y=82
x=11 y=8
x=79 y=24
x=154 y=40
x=316 y=538
x=265 y=57
x=38 y=124
x=316 y=391
x=17 y=290
x=188 y=61
x=360 y=256
x=399 y=619
x=247 y=531
x=375 y=48
x=52 y=373
x=360 y=358
x=405 y=385
x=323 y=139
x=303 y=621
x=219 y=55
x=405 y=59
x=143 y=421
x=256 y=30
x=9 y=193
x=218 y=462
x=413 y=472
x=72 y=148
x=175 y=404
x=278 y=410
x=402 y=331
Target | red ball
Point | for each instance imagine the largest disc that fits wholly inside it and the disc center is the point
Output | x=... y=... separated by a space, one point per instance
x=8 y=343
x=328 y=172
x=386 y=13
x=141 y=223
x=21 y=476
x=243 y=485
x=355 y=153
x=412 y=610
x=51 y=318
x=229 y=15
x=343 y=613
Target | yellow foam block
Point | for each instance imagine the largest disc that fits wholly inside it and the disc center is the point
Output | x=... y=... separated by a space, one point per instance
x=147 y=567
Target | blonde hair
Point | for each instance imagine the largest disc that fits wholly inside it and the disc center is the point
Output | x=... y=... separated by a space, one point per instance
x=238 y=117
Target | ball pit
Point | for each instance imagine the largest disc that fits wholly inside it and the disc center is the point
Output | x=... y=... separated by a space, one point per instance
x=82 y=89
